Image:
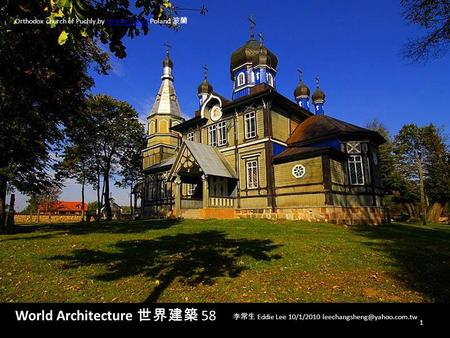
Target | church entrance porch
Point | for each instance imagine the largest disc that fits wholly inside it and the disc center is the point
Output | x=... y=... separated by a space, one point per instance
x=205 y=185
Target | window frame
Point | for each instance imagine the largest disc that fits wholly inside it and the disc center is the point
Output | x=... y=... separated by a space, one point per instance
x=249 y=134
x=190 y=136
x=218 y=134
x=252 y=167
x=240 y=76
x=356 y=162
x=212 y=135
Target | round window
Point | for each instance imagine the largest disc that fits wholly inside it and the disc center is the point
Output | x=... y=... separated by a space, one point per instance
x=298 y=171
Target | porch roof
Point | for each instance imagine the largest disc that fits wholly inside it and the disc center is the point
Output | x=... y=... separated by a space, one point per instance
x=210 y=160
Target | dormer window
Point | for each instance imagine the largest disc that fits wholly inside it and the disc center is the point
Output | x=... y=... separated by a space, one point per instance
x=241 y=79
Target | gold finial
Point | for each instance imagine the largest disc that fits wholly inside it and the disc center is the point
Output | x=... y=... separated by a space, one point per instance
x=252 y=27
x=317 y=81
x=205 y=71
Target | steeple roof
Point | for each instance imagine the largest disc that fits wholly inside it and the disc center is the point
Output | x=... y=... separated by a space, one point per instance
x=166 y=101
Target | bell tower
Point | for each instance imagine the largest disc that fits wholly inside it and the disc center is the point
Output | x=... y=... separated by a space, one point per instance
x=161 y=141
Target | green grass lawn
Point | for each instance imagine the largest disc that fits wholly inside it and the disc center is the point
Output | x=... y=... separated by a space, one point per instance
x=224 y=261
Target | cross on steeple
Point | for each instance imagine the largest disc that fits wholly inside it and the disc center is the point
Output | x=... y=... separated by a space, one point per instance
x=300 y=75
x=252 y=27
x=205 y=71
x=317 y=81
x=168 y=47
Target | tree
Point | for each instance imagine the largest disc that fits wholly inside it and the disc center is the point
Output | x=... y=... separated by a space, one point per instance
x=131 y=165
x=47 y=198
x=437 y=168
x=117 y=131
x=40 y=83
x=121 y=18
x=77 y=163
x=410 y=147
x=424 y=158
x=44 y=74
x=433 y=16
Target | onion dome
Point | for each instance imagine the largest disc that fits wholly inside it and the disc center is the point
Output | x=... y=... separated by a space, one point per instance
x=252 y=52
x=318 y=96
x=205 y=87
x=301 y=91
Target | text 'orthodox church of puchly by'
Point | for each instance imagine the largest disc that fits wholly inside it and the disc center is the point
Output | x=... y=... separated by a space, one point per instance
x=258 y=155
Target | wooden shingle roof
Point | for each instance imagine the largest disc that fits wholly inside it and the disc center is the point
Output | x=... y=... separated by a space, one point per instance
x=318 y=128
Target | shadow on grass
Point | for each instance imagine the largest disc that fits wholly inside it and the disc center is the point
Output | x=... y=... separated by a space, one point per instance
x=191 y=259
x=421 y=253
x=113 y=227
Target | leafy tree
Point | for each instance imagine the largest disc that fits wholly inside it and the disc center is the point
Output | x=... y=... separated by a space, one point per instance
x=32 y=206
x=116 y=127
x=424 y=160
x=434 y=17
x=44 y=74
x=410 y=147
x=437 y=169
x=122 y=18
x=77 y=163
x=399 y=190
x=131 y=165
x=40 y=83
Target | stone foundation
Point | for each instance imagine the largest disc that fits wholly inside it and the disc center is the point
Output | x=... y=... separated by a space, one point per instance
x=338 y=215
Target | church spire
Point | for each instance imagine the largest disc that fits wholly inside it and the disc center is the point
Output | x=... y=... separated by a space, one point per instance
x=166 y=101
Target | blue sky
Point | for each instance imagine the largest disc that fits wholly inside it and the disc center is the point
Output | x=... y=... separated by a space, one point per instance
x=353 y=45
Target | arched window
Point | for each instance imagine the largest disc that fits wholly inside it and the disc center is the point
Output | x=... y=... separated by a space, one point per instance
x=241 y=79
x=152 y=127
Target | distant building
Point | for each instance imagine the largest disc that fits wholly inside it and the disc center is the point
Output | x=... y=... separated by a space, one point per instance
x=62 y=208
x=116 y=209
x=259 y=154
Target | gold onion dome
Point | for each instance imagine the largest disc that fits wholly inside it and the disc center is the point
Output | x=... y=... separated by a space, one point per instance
x=318 y=96
x=301 y=91
x=205 y=87
x=252 y=52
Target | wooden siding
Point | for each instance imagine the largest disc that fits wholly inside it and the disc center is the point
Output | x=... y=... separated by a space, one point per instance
x=280 y=127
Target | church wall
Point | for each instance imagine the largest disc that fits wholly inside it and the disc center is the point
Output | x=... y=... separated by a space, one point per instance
x=280 y=126
x=259 y=126
x=313 y=172
x=300 y=200
x=231 y=158
x=249 y=153
x=337 y=172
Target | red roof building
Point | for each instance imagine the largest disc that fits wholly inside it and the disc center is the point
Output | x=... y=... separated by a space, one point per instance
x=62 y=208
